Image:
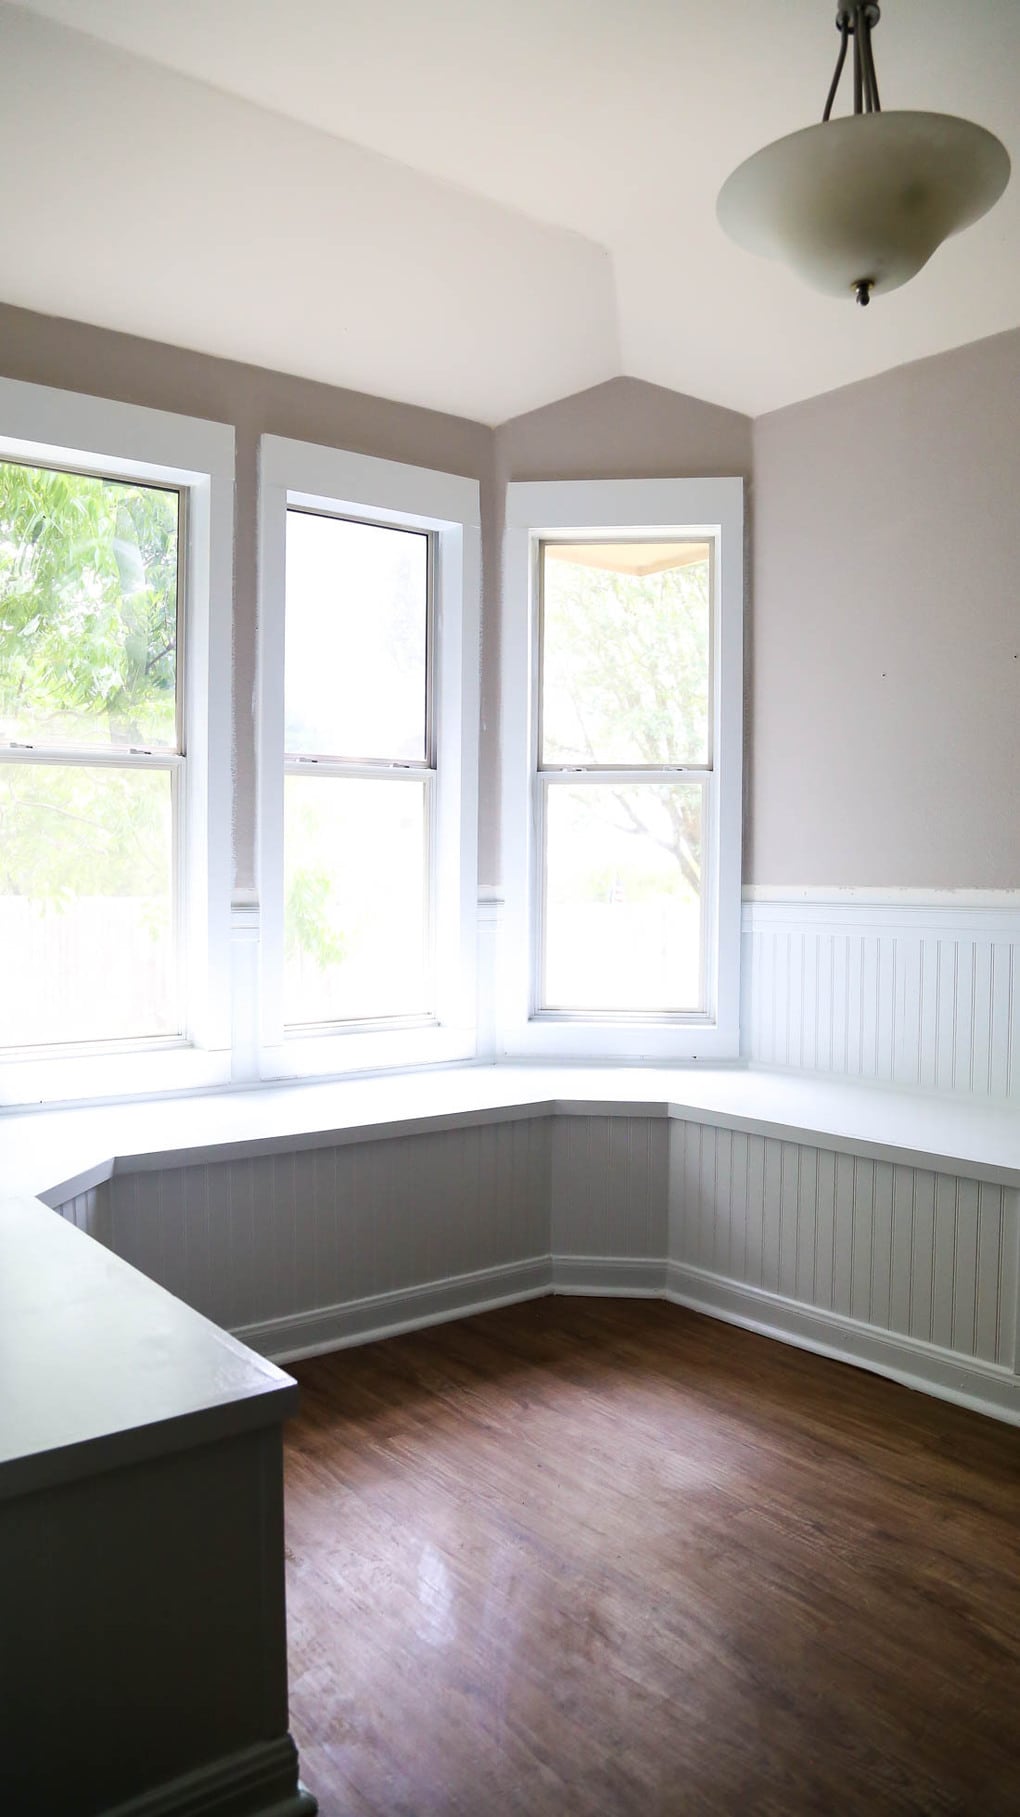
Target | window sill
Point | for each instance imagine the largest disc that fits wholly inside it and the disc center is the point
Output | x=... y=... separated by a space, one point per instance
x=303 y=1056
x=124 y=1072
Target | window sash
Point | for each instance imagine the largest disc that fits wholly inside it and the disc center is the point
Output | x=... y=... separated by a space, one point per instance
x=173 y=766
x=69 y=750
x=355 y=760
x=541 y=543
x=325 y=768
x=544 y=781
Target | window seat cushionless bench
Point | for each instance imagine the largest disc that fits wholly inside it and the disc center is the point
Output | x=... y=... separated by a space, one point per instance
x=870 y=1223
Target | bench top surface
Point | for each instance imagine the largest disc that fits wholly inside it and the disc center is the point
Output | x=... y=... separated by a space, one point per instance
x=53 y=1154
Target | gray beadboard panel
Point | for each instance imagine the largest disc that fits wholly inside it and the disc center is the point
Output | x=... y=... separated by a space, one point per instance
x=89 y=1211
x=265 y=1238
x=901 y=993
x=609 y=1185
x=916 y=1253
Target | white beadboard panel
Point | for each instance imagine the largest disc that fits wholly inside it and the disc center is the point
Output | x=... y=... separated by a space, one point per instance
x=924 y=1255
x=608 y=1185
x=272 y=1237
x=90 y=1211
x=988 y=1388
x=917 y=994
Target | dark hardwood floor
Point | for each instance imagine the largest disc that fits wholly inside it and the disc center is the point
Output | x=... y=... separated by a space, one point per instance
x=583 y=1558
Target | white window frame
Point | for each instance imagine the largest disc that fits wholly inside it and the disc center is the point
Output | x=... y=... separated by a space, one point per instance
x=703 y=510
x=337 y=481
x=48 y=427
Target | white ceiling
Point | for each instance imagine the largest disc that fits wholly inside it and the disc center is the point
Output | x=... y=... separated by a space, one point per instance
x=478 y=205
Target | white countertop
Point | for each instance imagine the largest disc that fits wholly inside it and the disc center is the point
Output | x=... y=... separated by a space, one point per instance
x=100 y=1367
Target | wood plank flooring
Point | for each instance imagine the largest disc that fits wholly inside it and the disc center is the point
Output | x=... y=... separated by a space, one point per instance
x=585 y=1558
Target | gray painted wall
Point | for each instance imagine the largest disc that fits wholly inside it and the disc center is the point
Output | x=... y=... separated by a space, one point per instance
x=885 y=703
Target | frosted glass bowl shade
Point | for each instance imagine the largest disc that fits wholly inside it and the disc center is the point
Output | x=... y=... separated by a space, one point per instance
x=866 y=198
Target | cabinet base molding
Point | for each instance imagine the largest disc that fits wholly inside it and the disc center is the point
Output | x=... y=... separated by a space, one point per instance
x=259 y=1781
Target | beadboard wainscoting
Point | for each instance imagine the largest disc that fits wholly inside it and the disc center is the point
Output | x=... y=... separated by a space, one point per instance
x=295 y=1252
x=897 y=987
x=89 y=1210
x=907 y=1270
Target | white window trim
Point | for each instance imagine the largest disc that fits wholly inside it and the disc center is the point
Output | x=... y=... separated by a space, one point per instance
x=709 y=509
x=128 y=441
x=333 y=479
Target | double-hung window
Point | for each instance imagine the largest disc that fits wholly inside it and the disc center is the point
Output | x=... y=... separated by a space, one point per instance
x=369 y=703
x=91 y=757
x=115 y=527
x=622 y=702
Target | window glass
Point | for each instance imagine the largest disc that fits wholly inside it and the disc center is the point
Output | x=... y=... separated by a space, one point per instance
x=86 y=904
x=88 y=611
x=623 y=899
x=625 y=654
x=355 y=878
x=356 y=639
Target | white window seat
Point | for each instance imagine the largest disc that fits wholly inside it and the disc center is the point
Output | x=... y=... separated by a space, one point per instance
x=875 y=1225
x=53 y=1154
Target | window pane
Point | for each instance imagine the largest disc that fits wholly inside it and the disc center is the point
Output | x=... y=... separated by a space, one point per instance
x=354 y=875
x=623 y=897
x=357 y=618
x=625 y=653
x=86 y=900
x=88 y=610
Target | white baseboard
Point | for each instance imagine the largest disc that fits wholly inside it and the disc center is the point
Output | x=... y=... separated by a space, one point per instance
x=988 y=1388
x=384 y=1315
x=260 y=1781
x=611 y=1277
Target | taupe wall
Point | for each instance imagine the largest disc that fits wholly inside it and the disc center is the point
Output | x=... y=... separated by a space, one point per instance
x=47 y=351
x=885 y=700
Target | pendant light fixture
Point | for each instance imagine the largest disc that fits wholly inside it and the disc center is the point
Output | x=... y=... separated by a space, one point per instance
x=858 y=205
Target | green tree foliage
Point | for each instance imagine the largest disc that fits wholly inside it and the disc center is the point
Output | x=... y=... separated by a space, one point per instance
x=88 y=636
x=88 y=610
x=308 y=918
x=626 y=679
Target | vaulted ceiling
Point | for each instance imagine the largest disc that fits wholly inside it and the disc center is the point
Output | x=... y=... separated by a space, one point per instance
x=479 y=205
